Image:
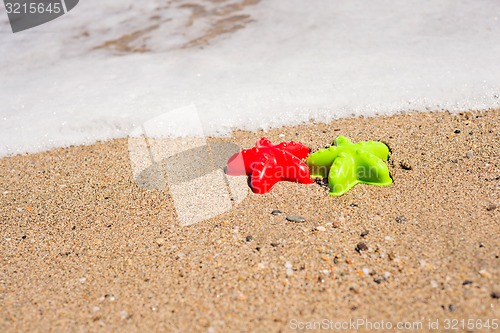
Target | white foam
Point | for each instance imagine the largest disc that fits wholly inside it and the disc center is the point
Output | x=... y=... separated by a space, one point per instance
x=295 y=61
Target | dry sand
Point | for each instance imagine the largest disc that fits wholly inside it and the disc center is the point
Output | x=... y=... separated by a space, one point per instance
x=83 y=248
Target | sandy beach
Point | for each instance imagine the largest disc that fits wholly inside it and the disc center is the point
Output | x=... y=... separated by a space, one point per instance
x=84 y=248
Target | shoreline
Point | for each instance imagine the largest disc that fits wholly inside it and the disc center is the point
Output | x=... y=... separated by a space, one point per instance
x=84 y=247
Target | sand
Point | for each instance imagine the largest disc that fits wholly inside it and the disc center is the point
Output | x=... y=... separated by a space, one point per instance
x=83 y=247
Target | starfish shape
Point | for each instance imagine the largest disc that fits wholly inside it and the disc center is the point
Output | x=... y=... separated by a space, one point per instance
x=268 y=164
x=347 y=164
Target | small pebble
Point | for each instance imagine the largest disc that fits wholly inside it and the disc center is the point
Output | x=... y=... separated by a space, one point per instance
x=361 y=247
x=274 y=244
x=401 y=219
x=365 y=271
x=466 y=282
x=434 y=284
x=484 y=273
x=160 y=241
x=469 y=154
x=295 y=218
x=249 y=238
x=457 y=131
x=276 y=212
x=491 y=207
x=365 y=233
x=405 y=165
x=238 y=295
x=336 y=224
x=495 y=295
x=451 y=307
x=124 y=314
x=320 y=228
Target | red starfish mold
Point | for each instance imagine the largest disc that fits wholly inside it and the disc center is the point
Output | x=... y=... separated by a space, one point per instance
x=268 y=164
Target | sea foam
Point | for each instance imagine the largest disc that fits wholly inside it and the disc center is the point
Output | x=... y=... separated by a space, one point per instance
x=78 y=79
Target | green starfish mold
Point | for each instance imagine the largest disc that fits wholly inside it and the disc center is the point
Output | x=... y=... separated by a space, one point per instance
x=347 y=164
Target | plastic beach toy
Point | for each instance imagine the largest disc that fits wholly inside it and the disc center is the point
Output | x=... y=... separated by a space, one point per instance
x=347 y=164
x=268 y=164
